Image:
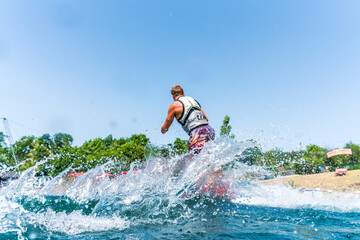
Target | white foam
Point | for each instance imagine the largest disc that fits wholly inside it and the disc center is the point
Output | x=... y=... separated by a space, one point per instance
x=75 y=222
x=9 y=216
x=285 y=197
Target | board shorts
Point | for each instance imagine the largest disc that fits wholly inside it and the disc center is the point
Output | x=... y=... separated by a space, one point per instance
x=198 y=137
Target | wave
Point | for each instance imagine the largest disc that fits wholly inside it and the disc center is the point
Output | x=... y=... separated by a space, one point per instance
x=174 y=190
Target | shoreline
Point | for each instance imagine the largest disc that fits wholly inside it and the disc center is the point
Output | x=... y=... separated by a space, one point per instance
x=327 y=182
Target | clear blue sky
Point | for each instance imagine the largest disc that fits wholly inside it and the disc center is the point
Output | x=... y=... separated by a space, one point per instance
x=287 y=72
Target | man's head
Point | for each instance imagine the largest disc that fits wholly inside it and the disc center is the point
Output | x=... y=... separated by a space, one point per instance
x=177 y=91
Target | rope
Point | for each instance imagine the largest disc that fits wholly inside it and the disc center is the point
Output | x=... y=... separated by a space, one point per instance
x=21 y=125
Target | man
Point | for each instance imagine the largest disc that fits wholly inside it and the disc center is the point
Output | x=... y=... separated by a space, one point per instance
x=192 y=118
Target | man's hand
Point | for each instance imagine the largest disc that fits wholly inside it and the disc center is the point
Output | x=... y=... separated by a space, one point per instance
x=163 y=130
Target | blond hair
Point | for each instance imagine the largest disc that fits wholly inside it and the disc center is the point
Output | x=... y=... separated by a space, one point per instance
x=177 y=90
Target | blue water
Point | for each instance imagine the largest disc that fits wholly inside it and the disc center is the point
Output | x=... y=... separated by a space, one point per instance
x=153 y=203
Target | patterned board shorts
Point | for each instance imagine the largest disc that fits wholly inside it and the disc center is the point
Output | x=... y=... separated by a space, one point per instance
x=199 y=136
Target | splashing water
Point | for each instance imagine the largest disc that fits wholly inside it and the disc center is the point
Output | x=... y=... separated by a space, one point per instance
x=206 y=196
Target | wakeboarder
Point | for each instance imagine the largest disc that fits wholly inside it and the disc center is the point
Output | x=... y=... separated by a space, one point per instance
x=192 y=118
x=189 y=113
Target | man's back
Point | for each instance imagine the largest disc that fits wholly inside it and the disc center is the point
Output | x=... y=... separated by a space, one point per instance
x=191 y=116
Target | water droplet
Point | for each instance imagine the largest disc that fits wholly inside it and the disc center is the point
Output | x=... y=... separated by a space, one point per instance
x=32 y=236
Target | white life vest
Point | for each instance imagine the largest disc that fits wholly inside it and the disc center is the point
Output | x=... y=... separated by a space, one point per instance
x=192 y=115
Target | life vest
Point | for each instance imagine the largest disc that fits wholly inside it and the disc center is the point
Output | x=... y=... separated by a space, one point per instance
x=191 y=116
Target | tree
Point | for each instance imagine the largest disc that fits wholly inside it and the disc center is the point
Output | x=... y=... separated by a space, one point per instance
x=311 y=160
x=180 y=146
x=61 y=140
x=251 y=155
x=355 y=158
x=4 y=151
x=226 y=128
x=2 y=140
x=23 y=147
x=108 y=140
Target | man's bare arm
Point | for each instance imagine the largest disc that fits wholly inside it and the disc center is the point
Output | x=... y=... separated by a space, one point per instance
x=169 y=119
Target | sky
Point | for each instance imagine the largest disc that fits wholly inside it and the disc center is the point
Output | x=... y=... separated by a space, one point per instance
x=286 y=72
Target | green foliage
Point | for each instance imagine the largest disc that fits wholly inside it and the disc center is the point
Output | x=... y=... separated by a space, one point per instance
x=92 y=153
x=353 y=162
x=273 y=158
x=56 y=154
x=251 y=155
x=61 y=140
x=226 y=128
x=23 y=148
x=179 y=146
x=2 y=140
x=3 y=150
x=310 y=160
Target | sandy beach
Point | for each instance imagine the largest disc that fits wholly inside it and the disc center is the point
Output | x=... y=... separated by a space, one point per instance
x=321 y=181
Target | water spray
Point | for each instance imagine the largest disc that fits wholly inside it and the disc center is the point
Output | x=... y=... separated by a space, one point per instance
x=10 y=140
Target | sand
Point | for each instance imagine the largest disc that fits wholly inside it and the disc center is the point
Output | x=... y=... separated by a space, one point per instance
x=321 y=181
